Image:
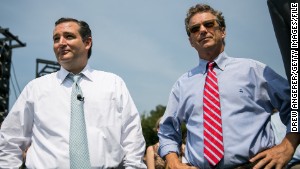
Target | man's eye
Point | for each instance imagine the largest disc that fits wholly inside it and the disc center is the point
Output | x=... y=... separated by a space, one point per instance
x=195 y=29
x=55 y=39
x=209 y=24
x=70 y=37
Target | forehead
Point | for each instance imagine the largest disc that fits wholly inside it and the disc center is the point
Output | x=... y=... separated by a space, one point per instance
x=66 y=27
x=201 y=17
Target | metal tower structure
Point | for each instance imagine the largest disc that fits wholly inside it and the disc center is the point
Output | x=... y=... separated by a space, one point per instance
x=49 y=67
x=8 y=41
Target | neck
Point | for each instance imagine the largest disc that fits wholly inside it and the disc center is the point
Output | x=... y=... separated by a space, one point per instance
x=76 y=67
x=210 y=54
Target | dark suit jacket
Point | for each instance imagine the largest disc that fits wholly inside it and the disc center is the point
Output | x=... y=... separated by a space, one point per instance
x=280 y=11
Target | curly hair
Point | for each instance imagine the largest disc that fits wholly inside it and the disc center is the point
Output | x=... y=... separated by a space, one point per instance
x=200 y=8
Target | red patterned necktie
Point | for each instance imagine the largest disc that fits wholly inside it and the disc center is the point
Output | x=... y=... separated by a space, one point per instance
x=213 y=137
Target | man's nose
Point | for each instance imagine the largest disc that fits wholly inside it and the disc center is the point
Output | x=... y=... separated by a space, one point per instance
x=62 y=41
x=202 y=29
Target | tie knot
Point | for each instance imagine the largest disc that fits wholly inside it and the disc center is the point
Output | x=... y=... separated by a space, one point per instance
x=75 y=78
x=211 y=65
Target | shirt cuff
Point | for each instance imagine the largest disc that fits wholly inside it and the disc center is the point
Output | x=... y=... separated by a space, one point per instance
x=164 y=150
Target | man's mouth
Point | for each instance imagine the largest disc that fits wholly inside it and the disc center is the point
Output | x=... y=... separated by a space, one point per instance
x=63 y=52
x=203 y=39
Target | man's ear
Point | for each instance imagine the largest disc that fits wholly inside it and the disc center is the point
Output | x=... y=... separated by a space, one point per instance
x=88 y=42
x=223 y=33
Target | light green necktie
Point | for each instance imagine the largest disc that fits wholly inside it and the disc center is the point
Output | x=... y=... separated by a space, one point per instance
x=79 y=152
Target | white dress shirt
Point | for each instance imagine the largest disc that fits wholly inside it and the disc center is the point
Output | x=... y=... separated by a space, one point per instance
x=41 y=116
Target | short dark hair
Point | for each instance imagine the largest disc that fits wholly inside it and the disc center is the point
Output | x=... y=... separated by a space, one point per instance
x=200 y=8
x=84 y=31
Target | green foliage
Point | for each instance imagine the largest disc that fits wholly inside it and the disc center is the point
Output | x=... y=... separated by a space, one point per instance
x=148 y=124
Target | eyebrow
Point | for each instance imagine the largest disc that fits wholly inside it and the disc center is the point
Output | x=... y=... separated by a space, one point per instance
x=205 y=22
x=64 y=34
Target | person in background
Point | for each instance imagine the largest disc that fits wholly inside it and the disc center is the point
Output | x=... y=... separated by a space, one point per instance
x=226 y=104
x=280 y=12
x=153 y=160
x=98 y=103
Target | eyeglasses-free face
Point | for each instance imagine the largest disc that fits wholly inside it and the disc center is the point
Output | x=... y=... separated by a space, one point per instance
x=207 y=24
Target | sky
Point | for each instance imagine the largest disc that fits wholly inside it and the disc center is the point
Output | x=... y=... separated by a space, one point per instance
x=142 y=41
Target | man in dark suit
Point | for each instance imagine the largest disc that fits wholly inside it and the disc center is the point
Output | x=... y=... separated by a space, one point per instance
x=280 y=12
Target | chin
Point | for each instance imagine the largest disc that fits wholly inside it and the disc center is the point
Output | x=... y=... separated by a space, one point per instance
x=64 y=58
x=208 y=45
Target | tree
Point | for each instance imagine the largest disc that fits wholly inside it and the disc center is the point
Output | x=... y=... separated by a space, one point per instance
x=148 y=124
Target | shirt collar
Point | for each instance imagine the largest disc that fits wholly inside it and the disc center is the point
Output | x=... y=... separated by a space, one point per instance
x=63 y=73
x=220 y=61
